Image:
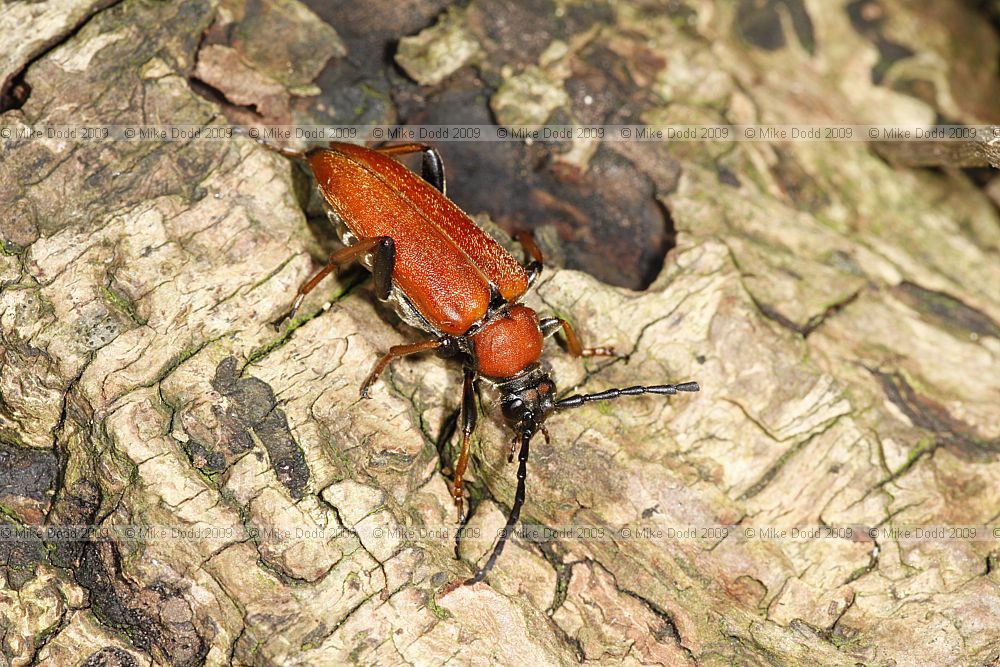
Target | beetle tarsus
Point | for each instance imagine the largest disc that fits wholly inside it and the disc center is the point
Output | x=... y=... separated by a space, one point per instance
x=395 y=352
x=601 y=352
x=276 y=323
x=533 y=268
x=550 y=325
x=458 y=495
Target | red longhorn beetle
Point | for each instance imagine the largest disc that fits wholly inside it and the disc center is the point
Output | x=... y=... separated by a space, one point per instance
x=446 y=276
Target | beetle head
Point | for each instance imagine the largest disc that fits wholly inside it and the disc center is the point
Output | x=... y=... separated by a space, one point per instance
x=526 y=401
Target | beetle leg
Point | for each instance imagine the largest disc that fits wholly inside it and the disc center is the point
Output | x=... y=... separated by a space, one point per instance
x=468 y=426
x=534 y=268
x=395 y=352
x=431 y=164
x=384 y=250
x=552 y=324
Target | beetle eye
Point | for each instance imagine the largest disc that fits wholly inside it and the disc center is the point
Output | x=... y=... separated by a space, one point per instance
x=513 y=410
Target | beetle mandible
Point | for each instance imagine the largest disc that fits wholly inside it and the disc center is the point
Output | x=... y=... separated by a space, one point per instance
x=446 y=276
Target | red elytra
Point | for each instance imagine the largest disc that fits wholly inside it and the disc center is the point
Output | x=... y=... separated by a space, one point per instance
x=444 y=263
x=446 y=276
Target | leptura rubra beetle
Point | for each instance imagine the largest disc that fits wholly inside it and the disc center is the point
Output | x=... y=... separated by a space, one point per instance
x=446 y=276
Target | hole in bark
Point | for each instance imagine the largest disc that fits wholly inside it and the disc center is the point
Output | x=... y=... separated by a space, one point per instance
x=16 y=94
x=669 y=243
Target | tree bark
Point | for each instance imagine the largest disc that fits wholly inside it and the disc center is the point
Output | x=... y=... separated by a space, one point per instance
x=840 y=314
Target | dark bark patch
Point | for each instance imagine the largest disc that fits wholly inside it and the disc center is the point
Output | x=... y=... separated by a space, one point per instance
x=514 y=32
x=25 y=472
x=797 y=183
x=928 y=414
x=603 y=86
x=945 y=311
x=868 y=18
x=19 y=557
x=205 y=459
x=252 y=410
x=146 y=614
x=727 y=177
x=76 y=506
x=361 y=86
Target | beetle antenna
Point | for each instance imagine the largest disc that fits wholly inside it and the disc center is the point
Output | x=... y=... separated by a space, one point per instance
x=515 y=511
x=609 y=394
